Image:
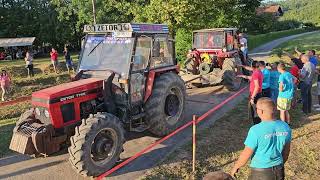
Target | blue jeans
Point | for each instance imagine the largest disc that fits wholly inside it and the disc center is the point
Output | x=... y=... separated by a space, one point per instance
x=274 y=95
x=306 y=97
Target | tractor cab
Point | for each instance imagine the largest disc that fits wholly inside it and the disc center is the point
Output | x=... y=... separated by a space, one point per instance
x=128 y=50
x=216 y=41
x=214 y=45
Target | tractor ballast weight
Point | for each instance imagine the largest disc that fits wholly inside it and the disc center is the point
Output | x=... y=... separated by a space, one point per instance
x=127 y=80
x=214 y=58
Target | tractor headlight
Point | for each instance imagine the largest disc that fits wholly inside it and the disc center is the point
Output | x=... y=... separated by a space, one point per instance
x=38 y=111
x=46 y=113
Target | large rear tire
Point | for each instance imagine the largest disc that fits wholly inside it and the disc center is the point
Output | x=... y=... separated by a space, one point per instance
x=230 y=71
x=96 y=145
x=164 y=108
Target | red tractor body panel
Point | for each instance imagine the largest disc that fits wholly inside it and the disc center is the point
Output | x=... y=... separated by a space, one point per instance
x=218 y=52
x=68 y=88
x=74 y=92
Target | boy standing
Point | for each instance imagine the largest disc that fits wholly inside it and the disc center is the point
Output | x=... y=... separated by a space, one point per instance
x=286 y=91
x=266 y=79
x=54 y=59
x=68 y=59
x=274 y=82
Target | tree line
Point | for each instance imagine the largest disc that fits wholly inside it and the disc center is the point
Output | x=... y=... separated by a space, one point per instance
x=57 y=22
x=60 y=22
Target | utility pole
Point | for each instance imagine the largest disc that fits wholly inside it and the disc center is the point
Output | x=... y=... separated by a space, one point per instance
x=94 y=11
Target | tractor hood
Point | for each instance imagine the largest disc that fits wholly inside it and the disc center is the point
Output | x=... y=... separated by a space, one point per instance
x=66 y=91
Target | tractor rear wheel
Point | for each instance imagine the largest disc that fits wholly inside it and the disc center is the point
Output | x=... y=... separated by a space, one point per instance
x=96 y=145
x=164 y=108
x=230 y=71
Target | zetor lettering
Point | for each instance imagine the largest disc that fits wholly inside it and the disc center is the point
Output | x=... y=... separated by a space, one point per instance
x=72 y=96
x=107 y=27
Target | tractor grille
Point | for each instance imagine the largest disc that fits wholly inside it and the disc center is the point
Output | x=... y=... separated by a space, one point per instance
x=29 y=128
x=68 y=112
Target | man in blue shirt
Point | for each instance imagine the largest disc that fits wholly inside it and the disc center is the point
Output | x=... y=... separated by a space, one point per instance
x=267 y=144
x=286 y=92
x=312 y=54
x=266 y=79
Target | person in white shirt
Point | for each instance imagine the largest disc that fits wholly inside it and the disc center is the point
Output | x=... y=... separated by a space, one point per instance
x=243 y=46
x=29 y=65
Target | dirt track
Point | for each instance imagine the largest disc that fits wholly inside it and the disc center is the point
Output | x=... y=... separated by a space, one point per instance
x=57 y=167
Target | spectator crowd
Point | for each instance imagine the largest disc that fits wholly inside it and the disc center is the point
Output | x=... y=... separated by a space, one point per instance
x=275 y=87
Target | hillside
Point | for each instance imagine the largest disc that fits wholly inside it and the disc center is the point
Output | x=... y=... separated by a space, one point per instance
x=306 y=11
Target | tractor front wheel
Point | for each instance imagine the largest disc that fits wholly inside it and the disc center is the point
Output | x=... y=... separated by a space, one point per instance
x=96 y=145
x=164 y=108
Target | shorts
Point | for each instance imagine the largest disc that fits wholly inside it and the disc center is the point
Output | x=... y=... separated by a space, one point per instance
x=318 y=88
x=55 y=63
x=266 y=92
x=30 y=66
x=69 y=63
x=283 y=104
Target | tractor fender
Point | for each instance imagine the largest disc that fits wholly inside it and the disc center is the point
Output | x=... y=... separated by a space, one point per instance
x=152 y=75
x=149 y=85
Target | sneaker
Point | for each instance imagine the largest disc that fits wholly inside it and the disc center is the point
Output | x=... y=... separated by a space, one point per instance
x=316 y=105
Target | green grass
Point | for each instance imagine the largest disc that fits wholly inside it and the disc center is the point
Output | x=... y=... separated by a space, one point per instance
x=44 y=77
x=37 y=61
x=257 y=40
x=6 y=127
x=304 y=43
x=13 y=111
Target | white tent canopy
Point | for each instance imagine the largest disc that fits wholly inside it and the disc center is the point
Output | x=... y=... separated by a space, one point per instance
x=12 y=42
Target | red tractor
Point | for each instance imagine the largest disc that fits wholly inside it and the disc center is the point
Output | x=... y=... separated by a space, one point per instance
x=127 y=80
x=214 y=58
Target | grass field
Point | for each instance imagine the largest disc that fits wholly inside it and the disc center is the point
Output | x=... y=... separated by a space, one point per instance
x=303 y=43
x=257 y=40
x=6 y=127
x=44 y=77
x=24 y=86
x=219 y=146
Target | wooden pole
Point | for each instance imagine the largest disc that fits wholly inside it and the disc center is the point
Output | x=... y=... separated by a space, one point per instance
x=94 y=11
x=194 y=144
